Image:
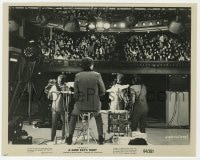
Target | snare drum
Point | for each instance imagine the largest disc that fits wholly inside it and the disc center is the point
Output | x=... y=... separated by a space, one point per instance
x=93 y=126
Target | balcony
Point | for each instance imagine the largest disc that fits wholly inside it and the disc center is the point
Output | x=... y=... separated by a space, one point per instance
x=138 y=67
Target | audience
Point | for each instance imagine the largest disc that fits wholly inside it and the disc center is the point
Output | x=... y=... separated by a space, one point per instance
x=157 y=47
x=153 y=46
x=63 y=46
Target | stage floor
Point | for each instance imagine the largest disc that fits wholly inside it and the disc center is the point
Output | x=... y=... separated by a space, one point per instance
x=155 y=136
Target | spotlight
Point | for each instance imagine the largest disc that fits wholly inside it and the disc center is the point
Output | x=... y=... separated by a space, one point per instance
x=143 y=24
x=13 y=60
x=106 y=25
x=176 y=27
x=13 y=26
x=114 y=25
x=71 y=26
x=91 y=26
x=157 y=22
x=122 y=25
x=82 y=22
x=136 y=25
x=99 y=25
x=130 y=21
x=150 y=23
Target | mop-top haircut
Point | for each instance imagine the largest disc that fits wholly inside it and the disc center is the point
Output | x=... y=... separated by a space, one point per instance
x=87 y=63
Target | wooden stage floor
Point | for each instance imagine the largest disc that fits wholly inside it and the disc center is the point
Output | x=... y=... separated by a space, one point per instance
x=155 y=136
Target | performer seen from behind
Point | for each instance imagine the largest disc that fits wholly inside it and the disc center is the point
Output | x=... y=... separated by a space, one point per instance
x=139 y=104
x=88 y=87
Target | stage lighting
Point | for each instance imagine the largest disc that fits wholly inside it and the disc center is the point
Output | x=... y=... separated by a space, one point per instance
x=106 y=25
x=15 y=20
x=150 y=23
x=71 y=26
x=122 y=25
x=130 y=21
x=99 y=25
x=176 y=27
x=13 y=26
x=91 y=26
x=82 y=23
x=115 y=25
x=158 y=22
x=13 y=60
x=143 y=24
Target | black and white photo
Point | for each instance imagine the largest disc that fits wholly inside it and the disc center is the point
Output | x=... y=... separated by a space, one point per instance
x=100 y=76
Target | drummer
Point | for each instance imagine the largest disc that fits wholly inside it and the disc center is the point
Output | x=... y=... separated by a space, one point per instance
x=58 y=105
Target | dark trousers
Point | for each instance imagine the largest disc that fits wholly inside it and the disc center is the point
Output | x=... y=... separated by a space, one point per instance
x=54 y=124
x=138 y=118
x=74 y=118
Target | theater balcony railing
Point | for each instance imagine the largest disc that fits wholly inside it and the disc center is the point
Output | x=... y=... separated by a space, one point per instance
x=137 y=67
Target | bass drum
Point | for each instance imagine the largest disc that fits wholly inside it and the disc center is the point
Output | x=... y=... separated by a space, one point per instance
x=93 y=126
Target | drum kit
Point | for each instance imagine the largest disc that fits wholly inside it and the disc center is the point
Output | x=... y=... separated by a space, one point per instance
x=115 y=122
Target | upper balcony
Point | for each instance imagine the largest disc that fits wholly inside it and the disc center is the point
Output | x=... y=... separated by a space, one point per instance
x=137 y=67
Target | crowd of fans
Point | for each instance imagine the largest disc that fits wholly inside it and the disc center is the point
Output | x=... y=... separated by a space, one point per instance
x=65 y=46
x=157 y=47
x=104 y=47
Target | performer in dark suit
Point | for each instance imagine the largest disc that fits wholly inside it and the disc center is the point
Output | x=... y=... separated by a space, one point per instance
x=88 y=87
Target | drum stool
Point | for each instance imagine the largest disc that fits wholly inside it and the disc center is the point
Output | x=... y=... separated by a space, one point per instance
x=86 y=131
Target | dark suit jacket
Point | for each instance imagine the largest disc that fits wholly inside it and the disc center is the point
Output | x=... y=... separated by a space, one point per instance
x=88 y=86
